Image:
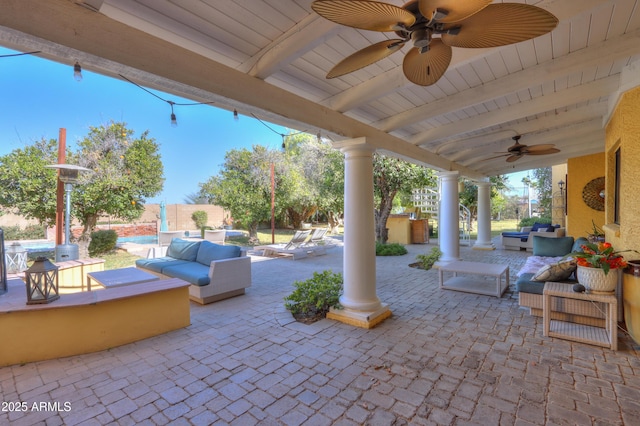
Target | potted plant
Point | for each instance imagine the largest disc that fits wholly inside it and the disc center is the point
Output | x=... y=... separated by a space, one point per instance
x=227 y=223
x=596 y=235
x=598 y=266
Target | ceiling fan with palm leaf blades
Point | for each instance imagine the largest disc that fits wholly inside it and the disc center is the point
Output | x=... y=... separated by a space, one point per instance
x=518 y=150
x=434 y=26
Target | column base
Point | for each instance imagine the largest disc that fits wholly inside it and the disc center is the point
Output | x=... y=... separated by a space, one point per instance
x=483 y=246
x=362 y=319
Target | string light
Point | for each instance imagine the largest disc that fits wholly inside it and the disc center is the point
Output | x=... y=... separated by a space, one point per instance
x=19 y=54
x=174 y=120
x=77 y=72
x=276 y=132
x=235 y=115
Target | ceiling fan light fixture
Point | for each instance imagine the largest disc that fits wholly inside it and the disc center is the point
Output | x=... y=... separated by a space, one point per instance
x=421 y=38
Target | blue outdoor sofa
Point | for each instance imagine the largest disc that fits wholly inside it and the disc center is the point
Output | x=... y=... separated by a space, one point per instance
x=215 y=271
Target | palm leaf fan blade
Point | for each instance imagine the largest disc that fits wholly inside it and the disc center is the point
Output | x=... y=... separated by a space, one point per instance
x=364 y=15
x=426 y=68
x=364 y=57
x=456 y=10
x=513 y=158
x=501 y=24
x=543 y=152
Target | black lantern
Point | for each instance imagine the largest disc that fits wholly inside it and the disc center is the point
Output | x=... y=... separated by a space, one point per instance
x=42 y=282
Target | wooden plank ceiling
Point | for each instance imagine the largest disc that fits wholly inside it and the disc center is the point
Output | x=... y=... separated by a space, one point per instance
x=555 y=89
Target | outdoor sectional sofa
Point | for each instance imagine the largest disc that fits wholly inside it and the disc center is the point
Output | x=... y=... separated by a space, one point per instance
x=522 y=240
x=215 y=271
x=548 y=259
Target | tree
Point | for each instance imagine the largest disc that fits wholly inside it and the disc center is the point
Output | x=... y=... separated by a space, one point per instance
x=317 y=170
x=544 y=187
x=27 y=187
x=243 y=186
x=391 y=176
x=469 y=195
x=125 y=172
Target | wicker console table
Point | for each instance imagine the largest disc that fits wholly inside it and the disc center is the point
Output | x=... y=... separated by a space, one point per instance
x=606 y=337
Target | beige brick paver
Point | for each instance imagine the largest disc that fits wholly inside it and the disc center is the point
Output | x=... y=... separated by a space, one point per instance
x=444 y=357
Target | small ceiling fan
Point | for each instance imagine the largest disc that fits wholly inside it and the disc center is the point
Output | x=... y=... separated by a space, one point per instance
x=518 y=150
x=457 y=23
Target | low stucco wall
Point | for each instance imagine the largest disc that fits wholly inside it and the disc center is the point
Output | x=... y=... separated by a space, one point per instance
x=90 y=321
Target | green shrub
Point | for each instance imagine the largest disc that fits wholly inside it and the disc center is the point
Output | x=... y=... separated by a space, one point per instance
x=427 y=260
x=529 y=221
x=200 y=218
x=30 y=232
x=102 y=241
x=313 y=298
x=392 y=249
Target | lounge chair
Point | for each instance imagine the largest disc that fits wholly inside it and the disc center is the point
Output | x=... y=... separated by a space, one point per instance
x=165 y=237
x=317 y=237
x=293 y=248
x=215 y=235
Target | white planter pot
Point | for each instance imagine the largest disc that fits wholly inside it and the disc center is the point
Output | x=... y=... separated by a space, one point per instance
x=596 y=281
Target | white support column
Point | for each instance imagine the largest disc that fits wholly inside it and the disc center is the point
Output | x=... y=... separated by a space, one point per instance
x=484 y=217
x=449 y=217
x=361 y=306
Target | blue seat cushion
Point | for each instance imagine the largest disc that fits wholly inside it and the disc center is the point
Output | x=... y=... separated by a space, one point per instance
x=515 y=234
x=158 y=264
x=183 y=250
x=525 y=285
x=192 y=272
x=209 y=252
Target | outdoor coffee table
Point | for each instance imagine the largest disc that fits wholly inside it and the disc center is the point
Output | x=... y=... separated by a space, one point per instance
x=119 y=277
x=472 y=284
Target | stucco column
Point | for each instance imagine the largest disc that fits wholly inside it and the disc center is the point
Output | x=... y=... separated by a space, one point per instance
x=449 y=217
x=361 y=306
x=484 y=217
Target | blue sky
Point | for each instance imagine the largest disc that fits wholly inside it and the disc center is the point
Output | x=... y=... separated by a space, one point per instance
x=40 y=96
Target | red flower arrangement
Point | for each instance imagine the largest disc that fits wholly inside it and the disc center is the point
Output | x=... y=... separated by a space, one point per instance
x=600 y=255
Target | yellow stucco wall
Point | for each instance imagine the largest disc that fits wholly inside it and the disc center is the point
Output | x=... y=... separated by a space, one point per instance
x=580 y=171
x=623 y=131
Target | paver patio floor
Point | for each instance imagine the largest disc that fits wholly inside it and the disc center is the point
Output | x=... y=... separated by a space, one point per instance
x=444 y=357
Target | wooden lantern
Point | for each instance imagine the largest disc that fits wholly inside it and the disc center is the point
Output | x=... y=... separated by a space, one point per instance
x=42 y=282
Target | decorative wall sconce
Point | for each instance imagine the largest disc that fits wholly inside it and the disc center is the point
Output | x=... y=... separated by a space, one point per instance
x=42 y=282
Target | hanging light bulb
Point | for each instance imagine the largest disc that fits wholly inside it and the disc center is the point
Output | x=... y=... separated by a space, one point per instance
x=174 y=121
x=77 y=72
x=235 y=115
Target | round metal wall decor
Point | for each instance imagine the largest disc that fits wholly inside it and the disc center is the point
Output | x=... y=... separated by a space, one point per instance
x=593 y=194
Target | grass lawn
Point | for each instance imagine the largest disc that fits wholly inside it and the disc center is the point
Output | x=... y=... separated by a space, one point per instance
x=119 y=259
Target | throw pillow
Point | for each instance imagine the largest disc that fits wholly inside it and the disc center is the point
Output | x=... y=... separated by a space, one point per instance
x=577 y=246
x=538 y=226
x=551 y=247
x=556 y=272
x=183 y=250
x=209 y=252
